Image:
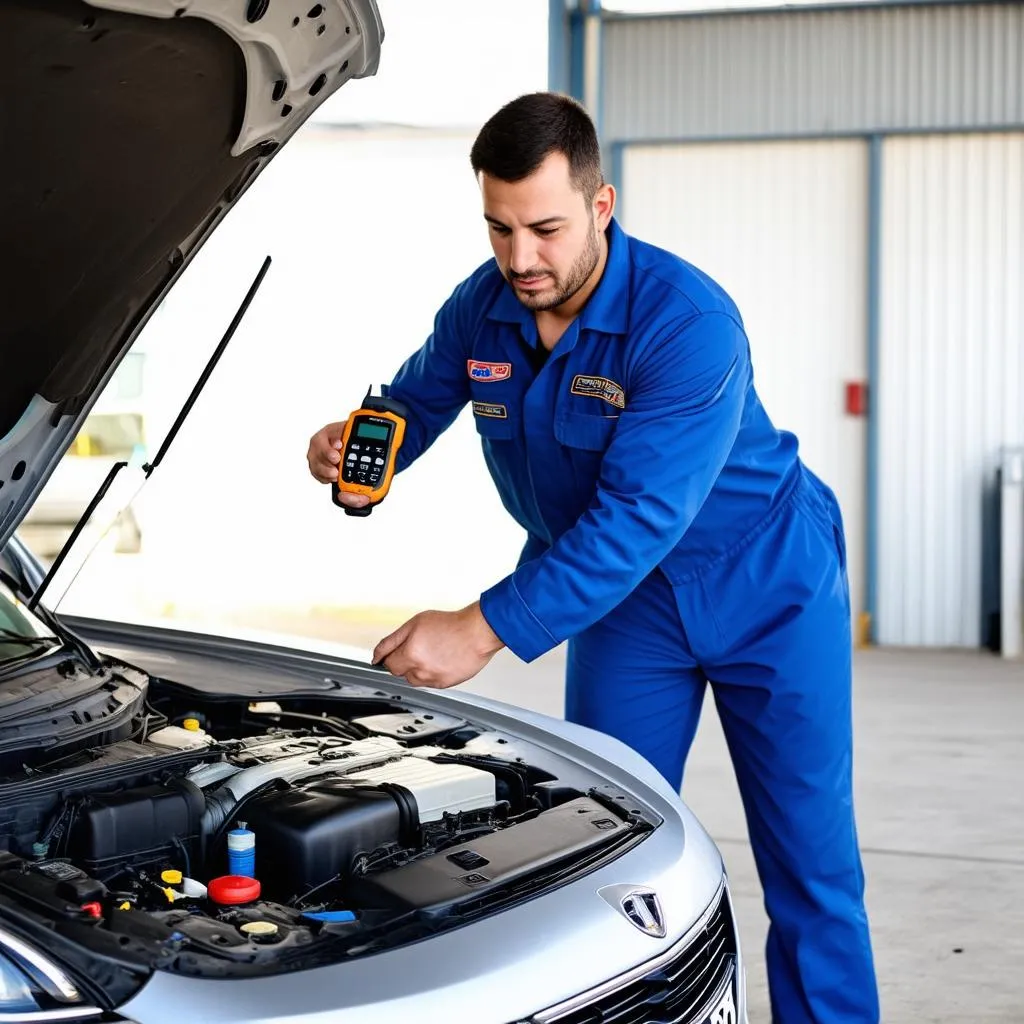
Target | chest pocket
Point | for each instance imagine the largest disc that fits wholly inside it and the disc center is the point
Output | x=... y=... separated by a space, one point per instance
x=588 y=432
x=584 y=438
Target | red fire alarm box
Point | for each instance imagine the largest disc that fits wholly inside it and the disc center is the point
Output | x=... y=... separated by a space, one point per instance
x=856 y=398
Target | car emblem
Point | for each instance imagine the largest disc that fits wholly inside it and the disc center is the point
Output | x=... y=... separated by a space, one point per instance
x=639 y=905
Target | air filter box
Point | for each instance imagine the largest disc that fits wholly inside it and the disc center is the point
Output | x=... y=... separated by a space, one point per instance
x=305 y=837
x=141 y=823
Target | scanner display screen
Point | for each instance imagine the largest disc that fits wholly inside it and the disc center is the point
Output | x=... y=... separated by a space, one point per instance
x=371 y=430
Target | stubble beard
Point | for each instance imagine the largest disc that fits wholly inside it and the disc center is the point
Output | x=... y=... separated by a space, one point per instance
x=583 y=266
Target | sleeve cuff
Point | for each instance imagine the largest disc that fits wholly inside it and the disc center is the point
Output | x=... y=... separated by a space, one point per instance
x=514 y=623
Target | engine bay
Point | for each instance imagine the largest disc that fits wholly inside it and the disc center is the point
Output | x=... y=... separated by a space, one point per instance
x=230 y=837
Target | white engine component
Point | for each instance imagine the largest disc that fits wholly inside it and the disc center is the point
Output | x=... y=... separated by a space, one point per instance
x=409 y=725
x=438 y=788
x=177 y=738
x=259 y=750
x=326 y=758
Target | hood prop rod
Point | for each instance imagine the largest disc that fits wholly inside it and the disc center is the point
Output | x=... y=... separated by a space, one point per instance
x=210 y=366
x=149 y=467
x=116 y=468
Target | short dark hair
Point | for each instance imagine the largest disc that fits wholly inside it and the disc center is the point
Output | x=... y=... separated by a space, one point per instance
x=520 y=136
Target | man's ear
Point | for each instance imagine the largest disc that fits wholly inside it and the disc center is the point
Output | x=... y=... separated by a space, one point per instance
x=604 y=206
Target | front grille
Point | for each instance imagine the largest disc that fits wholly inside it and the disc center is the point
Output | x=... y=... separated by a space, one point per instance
x=677 y=991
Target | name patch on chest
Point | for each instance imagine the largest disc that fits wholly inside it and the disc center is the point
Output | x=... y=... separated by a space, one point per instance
x=493 y=409
x=599 y=387
x=486 y=373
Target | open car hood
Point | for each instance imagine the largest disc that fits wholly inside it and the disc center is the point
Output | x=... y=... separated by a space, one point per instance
x=132 y=128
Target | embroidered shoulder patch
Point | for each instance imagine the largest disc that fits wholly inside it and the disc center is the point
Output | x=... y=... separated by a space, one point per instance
x=493 y=409
x=488 y=372
x=599 y=387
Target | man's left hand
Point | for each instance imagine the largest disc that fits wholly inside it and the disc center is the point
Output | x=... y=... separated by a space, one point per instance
x=439 y=649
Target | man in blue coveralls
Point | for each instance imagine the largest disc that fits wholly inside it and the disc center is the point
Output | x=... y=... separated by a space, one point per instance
x=674 y=536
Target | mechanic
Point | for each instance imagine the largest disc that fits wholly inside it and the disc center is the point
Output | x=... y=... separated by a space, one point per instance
x=674 y=537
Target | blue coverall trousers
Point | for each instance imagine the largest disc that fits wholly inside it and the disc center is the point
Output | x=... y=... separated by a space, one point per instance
x=768 y=625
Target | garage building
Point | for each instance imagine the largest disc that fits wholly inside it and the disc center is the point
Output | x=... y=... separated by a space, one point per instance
x=854 y=176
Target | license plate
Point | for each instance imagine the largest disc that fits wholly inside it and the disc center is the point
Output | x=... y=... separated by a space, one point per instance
x=725 y=1010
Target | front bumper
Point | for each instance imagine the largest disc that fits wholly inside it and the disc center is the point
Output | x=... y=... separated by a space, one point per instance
x=699 y=980
x=503 y=968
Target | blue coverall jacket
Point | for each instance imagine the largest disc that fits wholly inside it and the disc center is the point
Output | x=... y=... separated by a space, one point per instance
x=640 y=444
x=674 y=536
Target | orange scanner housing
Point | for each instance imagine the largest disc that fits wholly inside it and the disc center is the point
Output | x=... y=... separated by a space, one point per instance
x=370 y=444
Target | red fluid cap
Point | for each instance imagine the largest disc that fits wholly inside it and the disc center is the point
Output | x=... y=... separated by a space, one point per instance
x=231 y=889
x=93 y=909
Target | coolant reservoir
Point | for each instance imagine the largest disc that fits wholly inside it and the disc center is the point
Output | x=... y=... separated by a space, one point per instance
x=177 y=738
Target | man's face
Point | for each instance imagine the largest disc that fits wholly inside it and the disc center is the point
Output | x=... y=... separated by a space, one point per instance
x=545 y=234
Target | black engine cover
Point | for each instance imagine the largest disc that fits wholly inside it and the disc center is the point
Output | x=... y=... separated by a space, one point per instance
x=305 y=837
x=499 y=859
x=141 y=823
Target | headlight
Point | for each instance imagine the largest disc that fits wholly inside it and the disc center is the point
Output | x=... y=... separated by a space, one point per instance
x=34 y=989
x=15 y=994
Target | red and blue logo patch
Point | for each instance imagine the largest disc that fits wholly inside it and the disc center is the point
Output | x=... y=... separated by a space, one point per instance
x=487 y=373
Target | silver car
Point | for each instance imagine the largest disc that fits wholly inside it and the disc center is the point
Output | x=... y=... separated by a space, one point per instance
x=196 y=828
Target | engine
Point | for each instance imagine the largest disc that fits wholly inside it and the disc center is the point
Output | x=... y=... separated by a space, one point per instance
x=234 y=836
x=318 y=809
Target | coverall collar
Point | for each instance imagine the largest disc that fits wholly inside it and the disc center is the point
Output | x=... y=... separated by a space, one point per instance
x=607 y=310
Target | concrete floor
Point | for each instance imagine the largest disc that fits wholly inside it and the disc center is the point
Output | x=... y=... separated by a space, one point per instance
x=940 y=802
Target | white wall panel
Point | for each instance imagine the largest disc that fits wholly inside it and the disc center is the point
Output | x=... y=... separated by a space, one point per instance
x=951 y=375
x=783 y=227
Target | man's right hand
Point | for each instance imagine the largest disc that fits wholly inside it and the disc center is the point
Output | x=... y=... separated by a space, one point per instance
x=324 y=457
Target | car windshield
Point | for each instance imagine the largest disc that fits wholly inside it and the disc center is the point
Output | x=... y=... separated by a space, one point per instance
x=20 y=631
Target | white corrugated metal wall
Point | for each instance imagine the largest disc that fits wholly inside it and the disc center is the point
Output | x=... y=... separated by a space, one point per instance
x=870 y=68
x=942 y=276
x=951 y=373
x=782 y=227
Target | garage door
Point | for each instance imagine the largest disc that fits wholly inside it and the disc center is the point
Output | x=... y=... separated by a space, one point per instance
x=783 y=227
x=951 y=377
